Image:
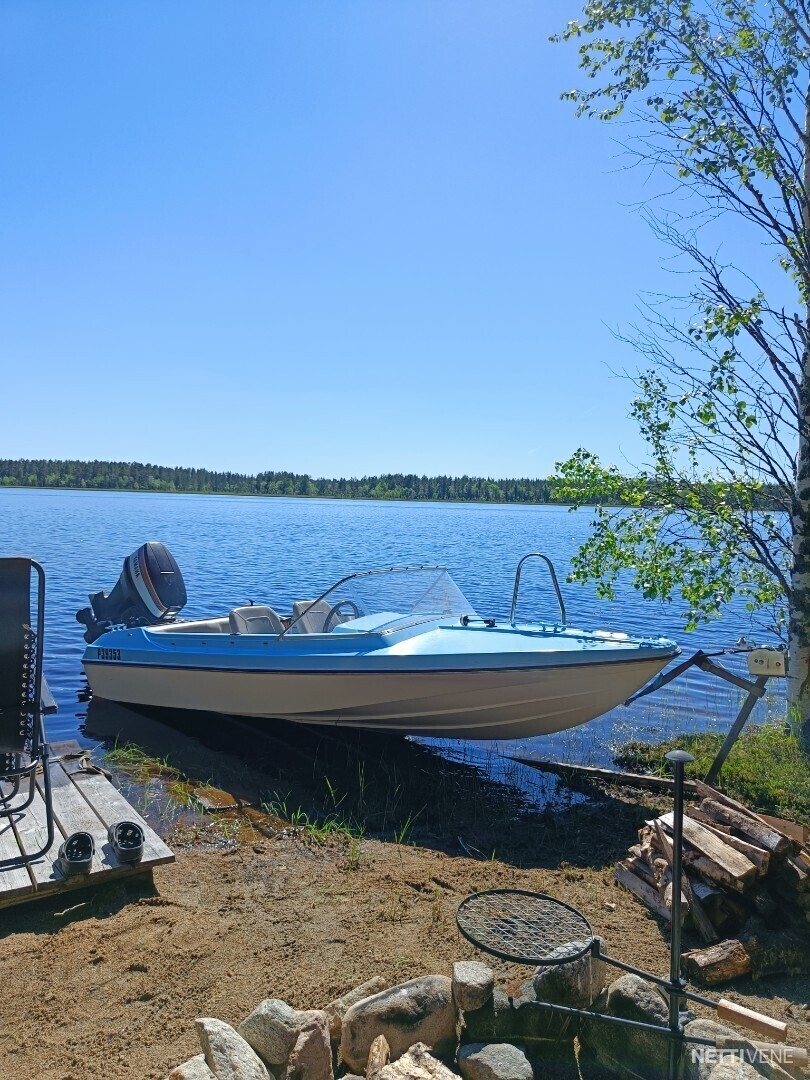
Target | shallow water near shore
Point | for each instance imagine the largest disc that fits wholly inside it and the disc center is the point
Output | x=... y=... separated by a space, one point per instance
x=235 y=549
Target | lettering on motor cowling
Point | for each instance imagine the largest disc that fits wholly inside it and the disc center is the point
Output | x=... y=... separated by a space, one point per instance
x=107 y=654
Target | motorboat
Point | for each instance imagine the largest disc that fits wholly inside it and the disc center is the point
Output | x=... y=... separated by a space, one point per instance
x=399 y=649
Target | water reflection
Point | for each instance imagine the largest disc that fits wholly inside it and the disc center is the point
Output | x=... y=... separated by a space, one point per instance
x=475 y=803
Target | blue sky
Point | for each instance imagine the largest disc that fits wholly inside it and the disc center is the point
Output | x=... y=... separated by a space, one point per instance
x=334 y=236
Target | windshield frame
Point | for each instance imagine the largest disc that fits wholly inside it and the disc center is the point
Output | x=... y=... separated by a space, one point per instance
x=364 y=574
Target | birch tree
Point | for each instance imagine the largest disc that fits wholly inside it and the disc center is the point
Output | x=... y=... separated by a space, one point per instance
x=715 y=96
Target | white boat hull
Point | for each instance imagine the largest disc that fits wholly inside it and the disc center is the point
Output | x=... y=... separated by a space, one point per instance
x=471 y=704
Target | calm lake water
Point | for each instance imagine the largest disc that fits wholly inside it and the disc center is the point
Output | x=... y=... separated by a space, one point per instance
x=235 y=549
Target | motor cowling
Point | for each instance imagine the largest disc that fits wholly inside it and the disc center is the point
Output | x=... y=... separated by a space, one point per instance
x=150 y=590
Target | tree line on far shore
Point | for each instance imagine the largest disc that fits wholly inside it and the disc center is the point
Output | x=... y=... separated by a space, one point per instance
x=134 y=476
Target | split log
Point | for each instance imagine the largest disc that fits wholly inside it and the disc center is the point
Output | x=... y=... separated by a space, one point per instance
x=706 y=791
x=711 y=899
x=757 y=855
x=708 y=895
x=645 y=836
x=794 y=874
x=642 y=870
x=787 y=829
x=699 y=917
x=710 y=871
x=735 y=907
x=766 y=907
x=636 y=885
x=662 y=873
x=696 y=813
x=739 y=870
x=752 y=830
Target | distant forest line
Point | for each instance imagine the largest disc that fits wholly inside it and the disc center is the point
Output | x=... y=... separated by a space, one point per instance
x=133 y=476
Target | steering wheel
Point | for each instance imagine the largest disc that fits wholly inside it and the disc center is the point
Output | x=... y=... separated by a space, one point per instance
x=335 y=611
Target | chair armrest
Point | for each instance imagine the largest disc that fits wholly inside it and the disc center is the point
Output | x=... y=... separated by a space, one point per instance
x=47 y=701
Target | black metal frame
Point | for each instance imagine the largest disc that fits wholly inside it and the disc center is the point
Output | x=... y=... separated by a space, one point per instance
x=41 y=703
x=754 y=689
x=674 y=986
x=568 y=958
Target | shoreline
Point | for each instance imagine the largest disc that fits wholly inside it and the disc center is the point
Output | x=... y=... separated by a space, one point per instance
x=310 y=498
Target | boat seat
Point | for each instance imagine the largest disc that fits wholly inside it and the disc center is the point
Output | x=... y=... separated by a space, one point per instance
x=312 y=622
x=255 y=619
x=316 y=613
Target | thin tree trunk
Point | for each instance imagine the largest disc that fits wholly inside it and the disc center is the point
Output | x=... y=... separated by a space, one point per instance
x=799 y=623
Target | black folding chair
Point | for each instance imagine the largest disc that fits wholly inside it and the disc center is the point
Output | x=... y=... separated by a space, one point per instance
x=24 y=698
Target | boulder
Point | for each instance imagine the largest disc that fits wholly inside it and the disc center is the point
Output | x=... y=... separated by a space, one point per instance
x=473 y=984
x=576 y=985
x=272 y=1030
x=615 y=1048
x=417 y=1063
x=734 y=1070
x=505 y=1019
x=336 y=1009
x=698 y=1063
x=227 y=1054
x=634 y=998
x=193 y=1069
x=703 y=1063
x=495 y=1021
x=421 y=1010
x=536 y=1022
x=493 y=1061
x=311 y=1057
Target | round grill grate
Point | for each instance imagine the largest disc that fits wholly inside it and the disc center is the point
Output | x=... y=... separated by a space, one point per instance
x=526 y=927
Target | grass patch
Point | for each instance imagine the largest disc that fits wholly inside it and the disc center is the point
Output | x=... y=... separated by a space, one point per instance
x=316 y=830
x=131 y=759
x=159 y=788
x=767 y=768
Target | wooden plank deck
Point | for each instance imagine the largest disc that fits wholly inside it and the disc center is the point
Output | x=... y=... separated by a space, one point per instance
x=84 y=801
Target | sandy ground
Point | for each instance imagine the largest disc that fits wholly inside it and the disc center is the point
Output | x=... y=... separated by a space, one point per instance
x=106 y=983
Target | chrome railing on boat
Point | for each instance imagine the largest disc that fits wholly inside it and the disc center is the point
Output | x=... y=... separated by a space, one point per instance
x=556 y=584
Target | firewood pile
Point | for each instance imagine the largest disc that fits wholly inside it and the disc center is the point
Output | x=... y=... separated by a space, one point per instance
x=745 y=889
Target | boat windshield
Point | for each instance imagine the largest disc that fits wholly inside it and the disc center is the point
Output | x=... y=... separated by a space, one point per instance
x=379 y=600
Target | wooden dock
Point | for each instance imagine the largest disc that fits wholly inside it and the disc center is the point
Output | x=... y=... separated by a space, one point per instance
x=83 y=800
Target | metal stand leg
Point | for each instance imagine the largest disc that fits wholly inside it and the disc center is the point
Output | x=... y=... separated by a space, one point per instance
x=13 y=811
x=754 y=694
x=679 y=759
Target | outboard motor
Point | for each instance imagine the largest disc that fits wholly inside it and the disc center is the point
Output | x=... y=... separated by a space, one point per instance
x=150 y=590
